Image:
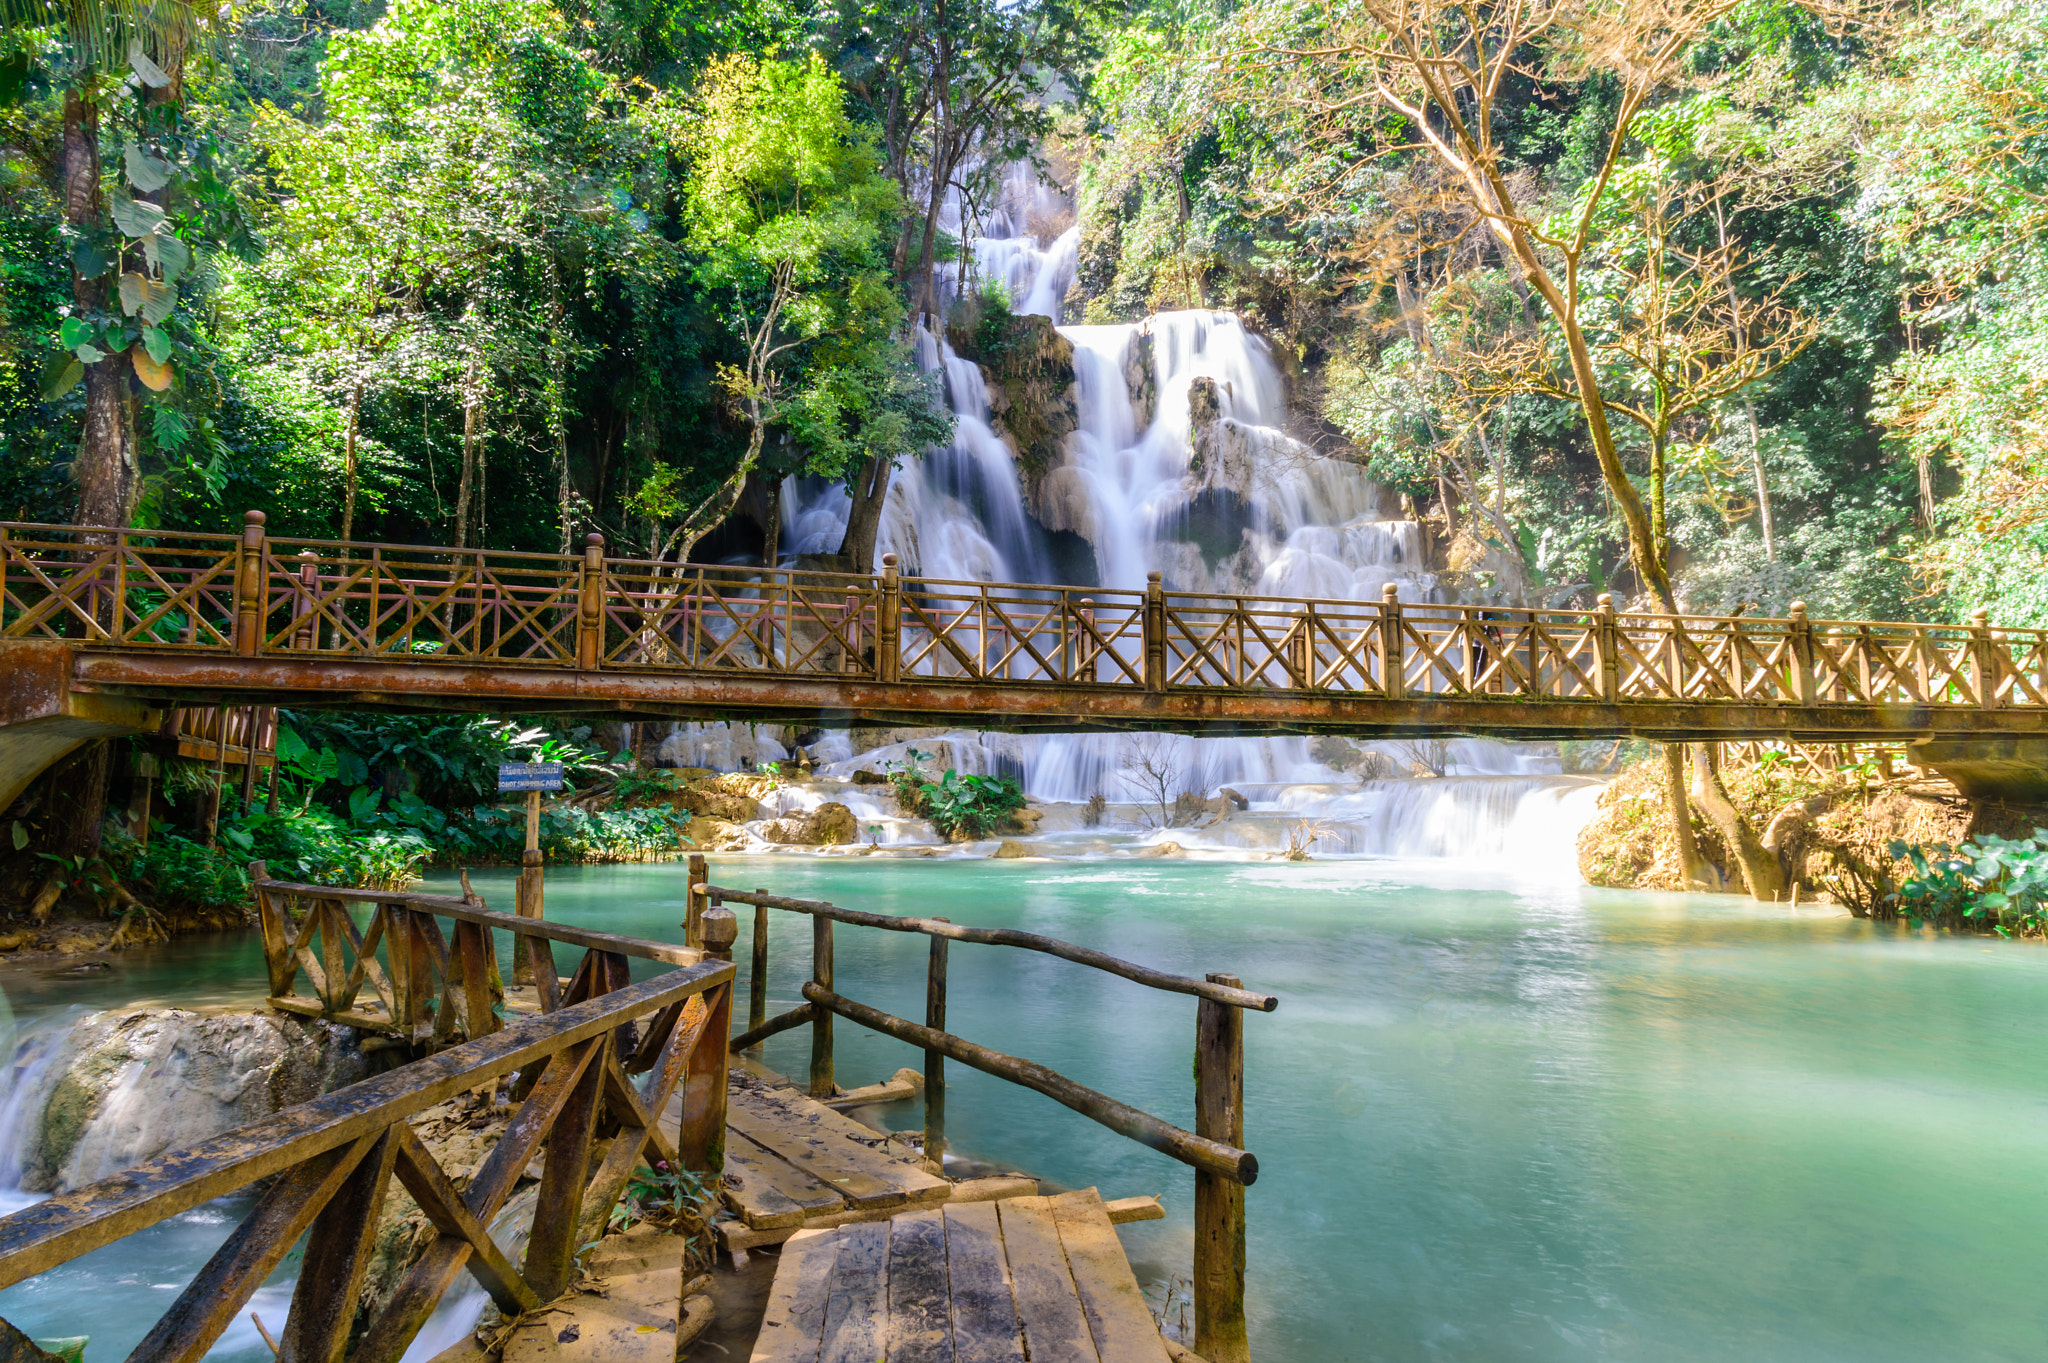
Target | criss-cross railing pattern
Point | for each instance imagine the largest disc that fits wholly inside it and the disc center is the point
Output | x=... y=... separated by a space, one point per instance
x=665 y=615
x=991 y=632
x=255 y=596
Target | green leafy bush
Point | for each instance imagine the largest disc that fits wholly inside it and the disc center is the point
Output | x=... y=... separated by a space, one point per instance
x=958 y=805
x=1989 y=881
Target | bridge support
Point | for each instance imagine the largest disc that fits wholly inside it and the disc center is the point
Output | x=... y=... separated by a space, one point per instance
x=42 y=718
x=2014 y=770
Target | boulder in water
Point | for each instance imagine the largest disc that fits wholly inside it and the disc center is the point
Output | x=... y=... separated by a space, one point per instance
x=128 y=1086
x=1011 y=851
x=829 y=825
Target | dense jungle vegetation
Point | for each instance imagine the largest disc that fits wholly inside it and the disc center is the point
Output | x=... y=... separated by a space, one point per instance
x=1716 y=305
x=1746 y=298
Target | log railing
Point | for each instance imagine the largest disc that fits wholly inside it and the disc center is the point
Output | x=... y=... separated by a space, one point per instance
x=329 y=1164
x=427 y=986
x=254 y=595
x=1214 y=1150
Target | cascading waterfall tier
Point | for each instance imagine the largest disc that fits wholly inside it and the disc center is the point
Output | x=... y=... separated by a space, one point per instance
x=1182 y=464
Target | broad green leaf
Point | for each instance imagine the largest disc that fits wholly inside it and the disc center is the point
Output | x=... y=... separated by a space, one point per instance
x=90 y=261
x=147 y=173
x=135 y=216
x=157 y=342
x=63 y=377
x=153 y=299
x=20 y=836
x=167 y=253
x=91 y=354
x=146 y=71
x=73 y=332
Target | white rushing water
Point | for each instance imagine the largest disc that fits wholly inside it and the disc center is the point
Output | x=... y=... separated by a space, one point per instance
x=1232 y=503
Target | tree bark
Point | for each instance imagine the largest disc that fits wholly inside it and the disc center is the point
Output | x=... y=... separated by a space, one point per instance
x=107 y=470
x=1760 y=868
x=466 y=489
x=771 y=535
x=869 y=494
x=1691 y=864
x=348 y=462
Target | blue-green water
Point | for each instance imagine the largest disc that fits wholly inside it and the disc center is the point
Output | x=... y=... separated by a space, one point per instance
x=1496 y=1121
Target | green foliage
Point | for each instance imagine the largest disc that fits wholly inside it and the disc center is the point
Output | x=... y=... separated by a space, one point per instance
x=1988 y=882
x=958 y=805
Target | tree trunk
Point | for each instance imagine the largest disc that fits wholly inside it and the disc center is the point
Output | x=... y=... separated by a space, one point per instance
x=1763 y=489
x=1691 y=865
x=864 y=518
x=107 y=469
x=771 y=537
x=348 y=463
x=1765 y=877
x=466 y=489
x=78 y=798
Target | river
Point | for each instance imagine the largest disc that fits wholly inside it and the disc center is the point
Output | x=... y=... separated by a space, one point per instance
x=1497 y=1117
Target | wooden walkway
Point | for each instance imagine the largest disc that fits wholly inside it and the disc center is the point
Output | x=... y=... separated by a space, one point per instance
x=1038 y=1278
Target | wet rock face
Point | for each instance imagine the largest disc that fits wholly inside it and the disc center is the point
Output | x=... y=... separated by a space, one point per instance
x=829 y=825
x=128 y=1086
x=1030 y=378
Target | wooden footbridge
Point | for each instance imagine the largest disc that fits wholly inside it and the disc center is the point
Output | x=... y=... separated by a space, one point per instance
x=881 y=1258
x=158 y=618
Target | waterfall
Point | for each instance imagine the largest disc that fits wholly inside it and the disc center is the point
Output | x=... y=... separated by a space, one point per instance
x=1181 y=464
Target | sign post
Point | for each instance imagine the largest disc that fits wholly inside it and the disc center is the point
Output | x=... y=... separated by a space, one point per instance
x=533 y=778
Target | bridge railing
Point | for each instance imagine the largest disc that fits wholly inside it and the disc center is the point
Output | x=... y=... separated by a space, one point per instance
x=329 y=1163
x=254 y=595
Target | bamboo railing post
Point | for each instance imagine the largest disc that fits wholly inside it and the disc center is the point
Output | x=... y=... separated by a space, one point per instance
x=1393 y=661
x=822 y=1085
x=694 y=901
x=757 y=976
x=1219 y=1201
x=935 y=1061
x=1608 y=646
x=249 y=588
x=1801 y=631
x=1155 y=633
x=590 y=605
x=889 y=624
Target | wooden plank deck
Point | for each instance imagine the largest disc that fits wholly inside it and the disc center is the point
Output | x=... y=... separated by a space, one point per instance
x=1042 y=1278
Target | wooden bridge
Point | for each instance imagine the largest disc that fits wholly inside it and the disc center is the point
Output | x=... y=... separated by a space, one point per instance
x=97 y=626
x=885 y=1257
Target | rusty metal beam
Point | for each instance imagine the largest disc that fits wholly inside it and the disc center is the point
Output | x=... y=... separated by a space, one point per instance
x=163 y=677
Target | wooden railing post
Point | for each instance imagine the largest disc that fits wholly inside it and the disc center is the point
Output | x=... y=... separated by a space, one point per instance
x=822 y=1084
x=590 y=605
x=551 y=1246
x=889 y=624
x=1155 y=633
x=757 y=976
x=1608 y=644
x=1393 y=657
x=935 y=1061
x=694 y=901
x=1084 y=639
x=1984 y=659
x=1801 y=631
x=530 y=895
x=249 y=588
x=1219 y=1201
x=304 y=636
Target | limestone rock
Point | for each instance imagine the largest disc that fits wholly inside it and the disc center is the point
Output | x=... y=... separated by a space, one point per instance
x=1163 y=849
x=1063 y=502
x=829 y=825
x=1025 y=820
x=128 y=1086
x=1011 y=851
x=715 y=835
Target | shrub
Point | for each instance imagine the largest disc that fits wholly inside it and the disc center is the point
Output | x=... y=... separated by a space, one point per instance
x=1989 y=881
x=959 y=806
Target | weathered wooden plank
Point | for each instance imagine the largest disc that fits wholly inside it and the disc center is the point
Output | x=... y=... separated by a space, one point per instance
x=857 y=1306
x=700 y=1137
x=794 y=1321
x=61 y=1228
x=557 y=1215
x=1048 y=1306
x=215 y=1297
x=863 y=1176
x=920 y=1311
x=773 y=1192
x=1123 y=1328
x=337 y=1256
x=429 y=1185
x=985 y=1328
x=918 y=1185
